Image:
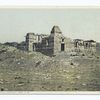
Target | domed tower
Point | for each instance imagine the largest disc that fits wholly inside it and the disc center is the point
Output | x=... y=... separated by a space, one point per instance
x=56 y=30
x=56 y=40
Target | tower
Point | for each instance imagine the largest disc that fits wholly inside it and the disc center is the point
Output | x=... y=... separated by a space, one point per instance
x=29 y=41
x=57 y=40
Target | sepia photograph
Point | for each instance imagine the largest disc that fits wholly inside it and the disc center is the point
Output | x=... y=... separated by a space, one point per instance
x=50 y=49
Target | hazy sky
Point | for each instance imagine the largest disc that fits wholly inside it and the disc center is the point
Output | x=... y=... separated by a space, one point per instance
x=74 y=23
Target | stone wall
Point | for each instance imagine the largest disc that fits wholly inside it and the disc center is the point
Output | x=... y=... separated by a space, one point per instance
x=56 y=43
x=30 y=39
x=98 y=48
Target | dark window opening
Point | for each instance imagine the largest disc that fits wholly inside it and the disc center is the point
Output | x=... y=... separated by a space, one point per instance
x=62 y=40
x=76 y=44
x=86 y=44
x=62 y=47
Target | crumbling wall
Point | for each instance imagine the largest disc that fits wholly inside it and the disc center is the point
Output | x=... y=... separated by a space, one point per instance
x=56 y=43
x=86 y=47
x=98 y=48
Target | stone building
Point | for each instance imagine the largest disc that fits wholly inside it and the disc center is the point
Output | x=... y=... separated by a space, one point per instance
x=34 y=41
x=85 y=46
x=56 y=42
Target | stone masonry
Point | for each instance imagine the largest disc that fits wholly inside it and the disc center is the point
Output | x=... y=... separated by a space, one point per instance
x=56 y=42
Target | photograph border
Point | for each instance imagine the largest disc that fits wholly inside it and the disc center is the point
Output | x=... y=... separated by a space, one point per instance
x=49 y=92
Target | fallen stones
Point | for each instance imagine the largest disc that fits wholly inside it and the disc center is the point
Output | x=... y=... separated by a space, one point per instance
x=78 y=77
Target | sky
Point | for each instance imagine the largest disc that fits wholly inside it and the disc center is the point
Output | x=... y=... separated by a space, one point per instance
x=82 y=23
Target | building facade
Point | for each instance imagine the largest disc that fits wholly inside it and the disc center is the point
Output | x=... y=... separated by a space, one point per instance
x=56 y=42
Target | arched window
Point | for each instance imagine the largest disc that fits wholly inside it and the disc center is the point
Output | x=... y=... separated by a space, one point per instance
x=62 y=40
x=47 y=43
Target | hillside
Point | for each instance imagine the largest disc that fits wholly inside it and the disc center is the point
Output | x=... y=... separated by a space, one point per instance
x=24 y=71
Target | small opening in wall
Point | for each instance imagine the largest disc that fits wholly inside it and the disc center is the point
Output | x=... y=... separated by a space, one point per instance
x=47 y=43
x=34 y=47
x=62 y=47
x=62 y=40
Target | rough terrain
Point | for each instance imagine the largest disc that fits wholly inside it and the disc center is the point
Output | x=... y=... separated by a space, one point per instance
x=24 y=71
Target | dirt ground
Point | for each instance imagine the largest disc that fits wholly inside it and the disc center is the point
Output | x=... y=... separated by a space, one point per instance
x=23 y=71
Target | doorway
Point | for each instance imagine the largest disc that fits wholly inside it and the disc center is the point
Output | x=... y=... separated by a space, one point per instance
x=34 y=47
x=62 y=47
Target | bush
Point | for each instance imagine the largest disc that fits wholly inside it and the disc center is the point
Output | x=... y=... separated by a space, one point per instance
x=2 y=89
x=83 y=54
x=71 y=63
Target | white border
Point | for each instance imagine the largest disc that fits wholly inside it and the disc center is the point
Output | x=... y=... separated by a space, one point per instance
x=48 y=92
x=49 y=4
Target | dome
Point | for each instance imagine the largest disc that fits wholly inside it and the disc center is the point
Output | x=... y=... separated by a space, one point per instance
x=56 y=29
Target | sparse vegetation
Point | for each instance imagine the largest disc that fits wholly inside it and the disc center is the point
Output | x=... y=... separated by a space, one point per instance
x=71 y=63
x=23 y=71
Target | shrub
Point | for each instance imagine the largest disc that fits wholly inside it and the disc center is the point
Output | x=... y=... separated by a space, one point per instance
x=71 y=63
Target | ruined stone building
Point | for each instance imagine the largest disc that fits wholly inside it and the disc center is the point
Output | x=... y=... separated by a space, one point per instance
x=85 y=45
x=56 y=42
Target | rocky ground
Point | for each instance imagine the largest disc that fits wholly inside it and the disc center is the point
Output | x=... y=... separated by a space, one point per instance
x=24 y=71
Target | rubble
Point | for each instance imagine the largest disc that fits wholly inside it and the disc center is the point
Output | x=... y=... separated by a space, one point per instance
x=84 y=84
x=78 y=77
x=31 y=70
